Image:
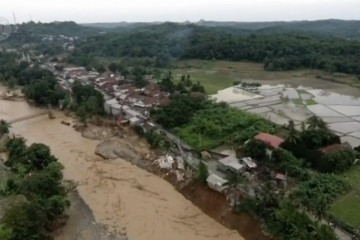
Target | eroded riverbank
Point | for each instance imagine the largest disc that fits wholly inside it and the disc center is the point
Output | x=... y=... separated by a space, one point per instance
x=122 y=196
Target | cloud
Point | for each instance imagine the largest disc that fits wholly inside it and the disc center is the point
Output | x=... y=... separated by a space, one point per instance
x=161 y=10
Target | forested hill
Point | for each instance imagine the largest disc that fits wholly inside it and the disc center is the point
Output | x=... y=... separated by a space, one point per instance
x=278 y=51
x=330 y=27
x=69 y=29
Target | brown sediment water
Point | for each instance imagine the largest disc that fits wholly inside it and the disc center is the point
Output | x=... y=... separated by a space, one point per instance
x=121 y=196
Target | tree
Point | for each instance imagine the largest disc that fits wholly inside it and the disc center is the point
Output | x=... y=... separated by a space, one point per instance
x=316 y=122
x=38 y=156
x=5 y=232
x=202 y=172
x=44 y=184
x=113 y=67
x=16 y=148
x=27 y=221
x=337 y=162
x=318 y=192
x=4 y=127
x=285 y=161
x=255 y=149
x=166 y=83
x=55 y=206
x=233 y=180
x=83 y=114
x=293 y=136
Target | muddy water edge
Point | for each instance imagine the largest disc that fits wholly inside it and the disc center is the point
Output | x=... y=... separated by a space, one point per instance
x=125 y=198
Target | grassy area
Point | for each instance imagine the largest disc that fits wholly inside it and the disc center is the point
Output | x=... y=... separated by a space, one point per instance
x=347 y=209
x=298 y=101
x=311 y=102
x=353 y=176
x=217 y=75
x=199 y=141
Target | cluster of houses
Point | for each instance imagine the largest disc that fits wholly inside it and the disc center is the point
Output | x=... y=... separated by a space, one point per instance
x=233 y=163
x=248 y=167
x=125 y=102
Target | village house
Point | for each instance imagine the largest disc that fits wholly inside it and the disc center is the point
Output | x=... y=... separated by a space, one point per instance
x=112 y=107
x=271 y=142
x=333 y=148
x=231 y=163
x=249 y=163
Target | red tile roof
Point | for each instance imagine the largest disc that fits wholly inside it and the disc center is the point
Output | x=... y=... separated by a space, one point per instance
x=270 y=140
x=332 y=148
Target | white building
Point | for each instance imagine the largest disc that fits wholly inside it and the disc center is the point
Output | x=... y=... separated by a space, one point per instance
x=112 y=107
x=231 y=163
x=216 y=183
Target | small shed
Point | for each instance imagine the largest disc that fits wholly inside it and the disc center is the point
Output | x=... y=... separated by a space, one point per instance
x=249 y=162
x=216 y=183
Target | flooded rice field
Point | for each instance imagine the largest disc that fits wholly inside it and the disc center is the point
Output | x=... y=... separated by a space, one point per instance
x=121 y=196
x=337 y=104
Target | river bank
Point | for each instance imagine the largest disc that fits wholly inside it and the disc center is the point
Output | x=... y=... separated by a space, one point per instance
x=210 y=202
x=122 y=196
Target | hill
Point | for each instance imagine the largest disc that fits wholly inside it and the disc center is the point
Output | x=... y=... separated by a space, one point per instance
x=289 y=50
x=330 y=27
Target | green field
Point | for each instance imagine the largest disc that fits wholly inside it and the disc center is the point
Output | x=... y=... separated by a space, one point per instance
x=217 y=75
x=347 y=209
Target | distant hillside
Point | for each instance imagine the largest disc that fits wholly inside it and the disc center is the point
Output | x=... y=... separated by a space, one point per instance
x=331 y=27
x=284 y=50
x=69 y=29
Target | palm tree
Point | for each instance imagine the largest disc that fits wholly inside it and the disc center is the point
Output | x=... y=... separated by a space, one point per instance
x=316 y=122
x=293 y=133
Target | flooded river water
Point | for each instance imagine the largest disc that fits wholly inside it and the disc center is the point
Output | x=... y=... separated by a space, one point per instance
x=121 y=196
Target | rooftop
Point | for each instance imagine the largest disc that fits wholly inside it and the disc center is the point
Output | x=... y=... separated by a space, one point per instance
x=232 y=162
x=249 y=162
x=270 y=140
x=332 y=148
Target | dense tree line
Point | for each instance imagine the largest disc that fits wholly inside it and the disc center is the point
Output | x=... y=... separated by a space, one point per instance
x=278 y=51
x=282 y=219
x=87 y=101
x=317 y=193
x=39 y=84
x=37 y=176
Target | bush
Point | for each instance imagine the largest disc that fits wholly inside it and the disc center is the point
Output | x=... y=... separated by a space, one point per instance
x=26 y=221
x=287 y=162
x=255 y=149
x=202 y=172
x=337 y=162
x=317 y=193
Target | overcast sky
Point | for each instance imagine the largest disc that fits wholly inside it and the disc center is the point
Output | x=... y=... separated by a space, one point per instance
x=180 y=10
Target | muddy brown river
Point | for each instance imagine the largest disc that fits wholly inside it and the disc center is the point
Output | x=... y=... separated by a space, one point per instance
x=121 y=196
